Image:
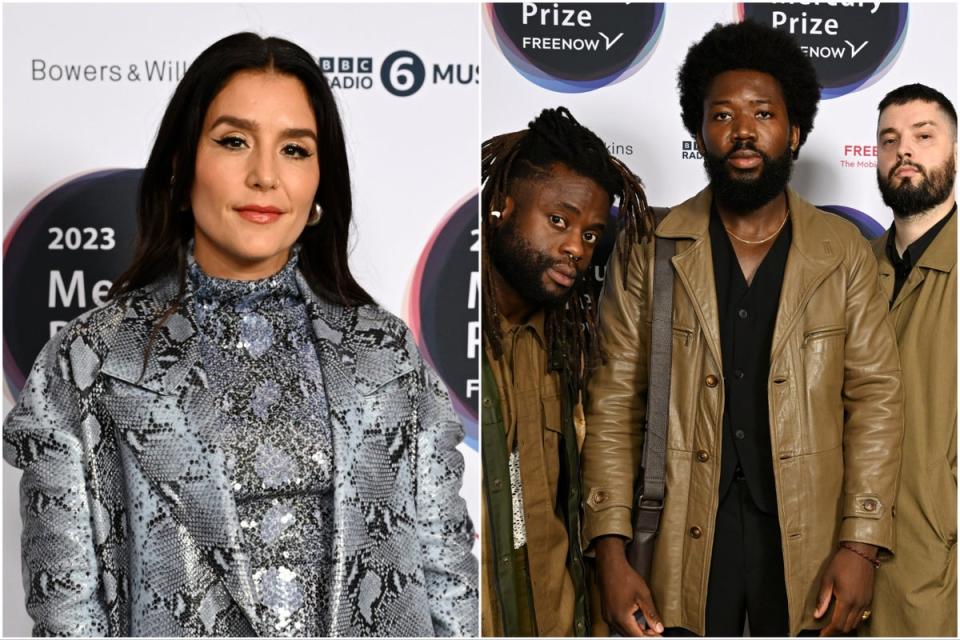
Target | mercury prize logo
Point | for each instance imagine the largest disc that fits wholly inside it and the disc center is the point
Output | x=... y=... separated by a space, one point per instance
x=851 y=45
x=443 y=308
x=575 y=47
x=60 y=258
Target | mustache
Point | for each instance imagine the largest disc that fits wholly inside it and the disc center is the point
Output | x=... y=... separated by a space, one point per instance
x=906 y=163
x=745 y=145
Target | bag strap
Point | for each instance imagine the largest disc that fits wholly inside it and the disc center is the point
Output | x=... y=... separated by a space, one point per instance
x=658 y=386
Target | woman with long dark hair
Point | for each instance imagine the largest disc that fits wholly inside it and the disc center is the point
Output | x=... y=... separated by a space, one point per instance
x=241 y=442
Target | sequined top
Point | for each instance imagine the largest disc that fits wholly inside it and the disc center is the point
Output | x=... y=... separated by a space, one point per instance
x=257 y=346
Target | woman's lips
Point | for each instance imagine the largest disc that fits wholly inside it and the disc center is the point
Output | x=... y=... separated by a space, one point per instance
x=259 y=215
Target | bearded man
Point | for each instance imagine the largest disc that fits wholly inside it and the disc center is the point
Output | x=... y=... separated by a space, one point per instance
x=916 y=593
x=546 y=201
x=783 y=441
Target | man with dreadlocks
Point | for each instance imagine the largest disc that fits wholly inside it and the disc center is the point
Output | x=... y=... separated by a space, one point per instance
x=785 y=409
x=546 y=200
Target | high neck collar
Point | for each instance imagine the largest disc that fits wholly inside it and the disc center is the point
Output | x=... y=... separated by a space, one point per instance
x=243 y=294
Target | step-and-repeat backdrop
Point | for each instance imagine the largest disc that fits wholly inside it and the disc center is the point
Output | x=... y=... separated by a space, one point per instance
x=84 y=89
x=615 y=67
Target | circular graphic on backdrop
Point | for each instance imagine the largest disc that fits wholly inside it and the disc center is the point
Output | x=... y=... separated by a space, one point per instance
x=869 y=227
x=444 y=308
x=850 y=46
x=60 y=258
x=575 y=47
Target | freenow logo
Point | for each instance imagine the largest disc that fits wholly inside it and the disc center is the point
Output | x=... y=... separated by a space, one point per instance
x=401 y=73
x=444 y=308
x=851 y=45
x=859 y=156
x=60 y=258
x=869 y=227
x=575 y=47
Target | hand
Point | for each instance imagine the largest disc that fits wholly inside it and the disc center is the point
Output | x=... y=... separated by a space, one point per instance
x=849 y=578
x=623 y=592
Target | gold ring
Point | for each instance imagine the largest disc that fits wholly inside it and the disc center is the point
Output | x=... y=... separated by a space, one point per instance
x=866 y=615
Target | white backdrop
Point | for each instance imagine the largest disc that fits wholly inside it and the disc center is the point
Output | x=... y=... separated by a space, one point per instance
x=641 y=112
x=413 y=159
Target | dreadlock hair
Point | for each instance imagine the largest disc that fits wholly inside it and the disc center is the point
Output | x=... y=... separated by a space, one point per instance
x=756 y=47
x=555 y=137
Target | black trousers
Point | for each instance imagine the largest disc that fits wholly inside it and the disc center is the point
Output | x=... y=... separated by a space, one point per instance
x=746 y=571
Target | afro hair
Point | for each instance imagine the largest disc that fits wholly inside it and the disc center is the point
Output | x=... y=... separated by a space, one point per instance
x=749 y=45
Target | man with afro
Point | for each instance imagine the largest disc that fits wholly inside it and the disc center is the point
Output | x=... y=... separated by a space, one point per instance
x=785 y=409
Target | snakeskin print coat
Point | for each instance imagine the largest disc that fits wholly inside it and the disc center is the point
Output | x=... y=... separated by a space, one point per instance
x=130 y=525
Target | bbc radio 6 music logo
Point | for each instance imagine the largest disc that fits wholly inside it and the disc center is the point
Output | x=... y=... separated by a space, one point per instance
x=575 y=47
x=851 y=45
x=401 y=73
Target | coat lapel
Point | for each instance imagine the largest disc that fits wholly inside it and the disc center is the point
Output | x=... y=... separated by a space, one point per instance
x=941 y=255
x=884 y=266
x=173 y=431
x=813 y=256
x=333 y=327
x=360 y=351
x=694 y=262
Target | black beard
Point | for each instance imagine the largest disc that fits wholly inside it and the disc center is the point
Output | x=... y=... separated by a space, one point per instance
x=523 y=267
x=745 y=195
x=908 y=199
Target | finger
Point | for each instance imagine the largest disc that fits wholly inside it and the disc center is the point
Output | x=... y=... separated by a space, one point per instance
x=840 y=611
x=629 y=626
x=650 y=613
x=853 y=619
x=823 y=600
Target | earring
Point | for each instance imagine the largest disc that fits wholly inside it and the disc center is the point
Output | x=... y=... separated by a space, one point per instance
x=495 y=214
x=314 y=218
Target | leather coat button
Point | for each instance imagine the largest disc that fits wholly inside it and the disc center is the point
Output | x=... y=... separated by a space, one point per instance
x=702 y=455
x=870 y=505
x=711 y=380
x=695 y=532
x=600 y=497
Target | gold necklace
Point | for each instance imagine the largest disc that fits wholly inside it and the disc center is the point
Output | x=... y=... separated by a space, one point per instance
x=768 y=238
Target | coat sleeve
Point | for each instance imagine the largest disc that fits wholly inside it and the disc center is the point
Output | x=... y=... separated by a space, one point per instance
x=42 y=437
x=873 y=407
x=617 y=397
x=446 y=533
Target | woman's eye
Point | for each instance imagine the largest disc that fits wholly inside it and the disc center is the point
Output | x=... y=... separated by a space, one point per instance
x=296 y=151
x=231 y=142
x=721 y=116
x=558 y=221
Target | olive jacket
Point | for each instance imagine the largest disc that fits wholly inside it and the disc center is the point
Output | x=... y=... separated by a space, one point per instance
x=835 y=407
x=916 y=592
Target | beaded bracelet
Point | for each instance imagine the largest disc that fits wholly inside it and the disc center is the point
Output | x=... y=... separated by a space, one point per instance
x=874 y=562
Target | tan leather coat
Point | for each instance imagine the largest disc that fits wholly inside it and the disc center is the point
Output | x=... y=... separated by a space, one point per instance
x=916 y=593
x=835 y=403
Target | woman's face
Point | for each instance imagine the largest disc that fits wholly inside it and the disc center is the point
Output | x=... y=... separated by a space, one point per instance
x=256 y=175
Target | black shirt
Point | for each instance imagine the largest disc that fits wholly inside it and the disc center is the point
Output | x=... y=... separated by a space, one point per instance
x=747 y=318
x=903 y=265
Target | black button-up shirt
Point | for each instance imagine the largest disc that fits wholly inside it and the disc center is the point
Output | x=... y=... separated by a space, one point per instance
x=903 y=264
x=747 y=318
